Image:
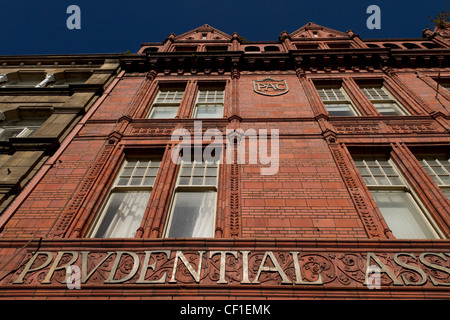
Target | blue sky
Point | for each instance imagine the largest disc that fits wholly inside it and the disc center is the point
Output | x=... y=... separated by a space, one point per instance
x=112 y=26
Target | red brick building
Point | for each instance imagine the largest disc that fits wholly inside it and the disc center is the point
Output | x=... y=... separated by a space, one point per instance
x=355 y=204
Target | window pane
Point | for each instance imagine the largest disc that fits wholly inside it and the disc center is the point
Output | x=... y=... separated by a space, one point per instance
x=438 y=169
x=375 y=93
x=184 y=181
x=155 y=163
x=209 y=111
x=164 y=112
x=331 y=94
x=395 y=181
x=198 y=171
x=210 y=181
x=169 y=96
x=148 y=181
x=340 y=110
x=402 y=216
x=210 y=96
x=123 y=214
x=382 y=181
x=127 y=172
x=136 y=181
x=369 y=181
x=212 y=172
x=197 y=181
x=152 y=172
x=388 y=109
x=447 y=193
x=193 y=215
x=123 y=181
x=140 y=171
x=445 y=180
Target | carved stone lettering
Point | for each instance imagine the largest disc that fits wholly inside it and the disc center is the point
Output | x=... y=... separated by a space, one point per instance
x=236 y=267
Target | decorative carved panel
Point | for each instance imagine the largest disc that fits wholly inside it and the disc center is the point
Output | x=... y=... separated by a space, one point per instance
x=362 y=204
x=80 y=194
x=254 y=268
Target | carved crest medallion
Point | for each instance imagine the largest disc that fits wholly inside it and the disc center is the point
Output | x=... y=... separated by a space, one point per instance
x=270 y=87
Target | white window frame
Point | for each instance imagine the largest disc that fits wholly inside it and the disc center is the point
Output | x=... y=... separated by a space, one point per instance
x=343 y=99
x=211 y=99
x=395 y=183
x=116 y=187
x=384 y=97
x=162 y=100
x=186 y=188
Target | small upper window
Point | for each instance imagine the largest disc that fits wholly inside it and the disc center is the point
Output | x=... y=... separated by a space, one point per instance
x=307 y=46
x=185 y=48
x=336 y=101
x=271 y=49
x=216 y=48
x=252 y=49
x=429 y=45
x=166 y=104
x=411 y=46
x=383 y=101
x=339 y=45
x=209 y=103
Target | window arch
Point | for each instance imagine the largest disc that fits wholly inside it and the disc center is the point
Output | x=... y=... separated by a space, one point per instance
x=429 y=45
x=271 y=49
x=23 y=79
x=252 y=49
x=151 y=49
x=411 y=46
x=64 y=79
x=391 y=45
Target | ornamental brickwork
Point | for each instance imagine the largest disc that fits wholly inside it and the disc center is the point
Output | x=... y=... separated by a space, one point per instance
x=340 y=165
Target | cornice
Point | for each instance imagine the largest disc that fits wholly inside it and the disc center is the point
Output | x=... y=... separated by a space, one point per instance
x=274 y=243
x=58 y=60
x=312 y=59
x=68 y=91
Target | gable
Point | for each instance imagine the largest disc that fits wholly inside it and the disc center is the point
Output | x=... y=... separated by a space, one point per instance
x=205 y=32
x=312 y=30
